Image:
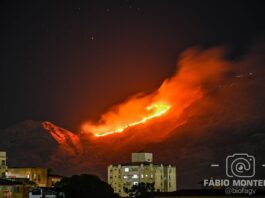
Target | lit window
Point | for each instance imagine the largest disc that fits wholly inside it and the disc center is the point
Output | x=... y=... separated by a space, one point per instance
x=135 y=183
x=135 y=176
x=125 y=176
x=146 y=175
x=142 y=176
x=126 y=169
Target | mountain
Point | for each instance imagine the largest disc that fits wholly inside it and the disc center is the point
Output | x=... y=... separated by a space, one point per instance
x=35 y=143
x=28 y=144
x=228 y=119
x=191 y=147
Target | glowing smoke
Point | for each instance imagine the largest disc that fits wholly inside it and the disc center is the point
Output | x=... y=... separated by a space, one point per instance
x=195 y=69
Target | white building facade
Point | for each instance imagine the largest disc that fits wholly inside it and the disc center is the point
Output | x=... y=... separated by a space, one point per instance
x=142 y=169
x=3 y=166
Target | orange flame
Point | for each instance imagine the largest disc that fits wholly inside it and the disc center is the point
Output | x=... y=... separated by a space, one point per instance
x=196 y=69
x=154 y=110
x=68 y=140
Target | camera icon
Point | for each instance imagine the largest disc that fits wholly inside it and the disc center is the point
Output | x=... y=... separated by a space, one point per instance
x=241 y=165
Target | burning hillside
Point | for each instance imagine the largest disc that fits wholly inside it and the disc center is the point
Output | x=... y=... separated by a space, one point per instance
x=192 y=112
x=150 y=117
x=143 y=118
x=195 y=69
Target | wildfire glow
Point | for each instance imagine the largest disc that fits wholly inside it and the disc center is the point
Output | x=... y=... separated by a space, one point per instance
x=153 y=111
x=68 y=140
x=195 y=70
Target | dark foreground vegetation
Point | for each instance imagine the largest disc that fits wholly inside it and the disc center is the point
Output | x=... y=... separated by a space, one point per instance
x=85 y=186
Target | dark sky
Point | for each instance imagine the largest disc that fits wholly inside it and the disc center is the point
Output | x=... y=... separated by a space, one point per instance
x=66 y=62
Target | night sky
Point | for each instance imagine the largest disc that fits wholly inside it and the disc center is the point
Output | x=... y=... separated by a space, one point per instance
x=67 y=62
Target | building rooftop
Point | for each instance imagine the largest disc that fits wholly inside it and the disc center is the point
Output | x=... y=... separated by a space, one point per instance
x=139 y=163
x=142 y=158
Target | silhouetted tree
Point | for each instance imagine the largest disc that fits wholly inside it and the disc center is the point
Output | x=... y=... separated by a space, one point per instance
x=141 y=190
x=85 y=186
